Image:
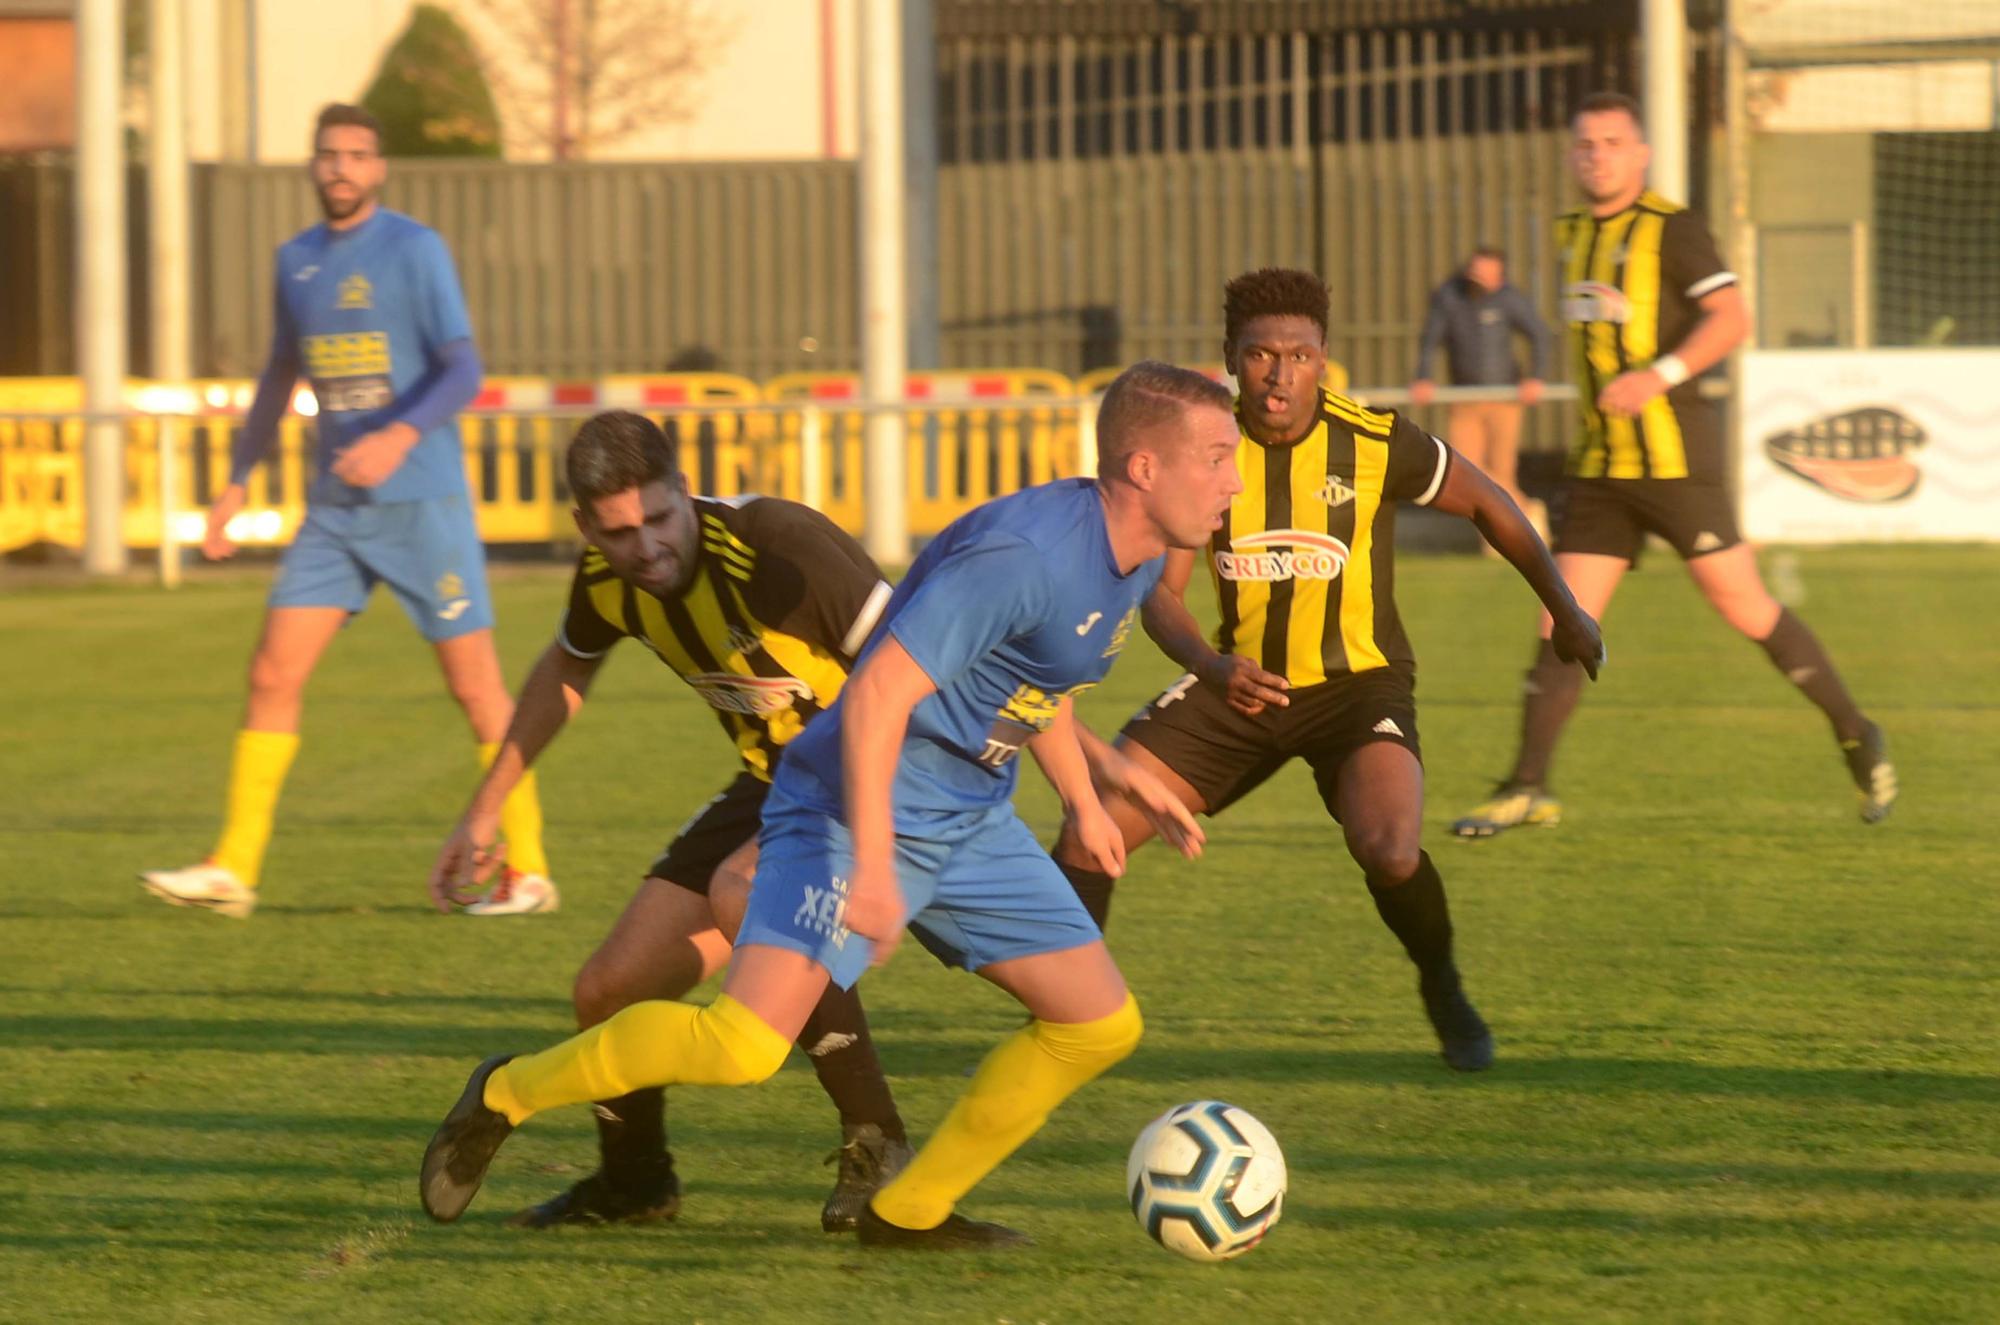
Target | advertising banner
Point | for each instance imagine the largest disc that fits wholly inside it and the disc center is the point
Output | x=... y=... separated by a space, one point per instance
x=1871 y=445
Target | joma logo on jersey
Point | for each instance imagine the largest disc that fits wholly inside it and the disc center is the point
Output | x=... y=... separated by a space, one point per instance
x=1282 y=554
x=758 y=696
x=1594 y=301
x=355 y=292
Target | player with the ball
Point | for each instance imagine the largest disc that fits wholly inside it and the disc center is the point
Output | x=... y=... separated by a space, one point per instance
x=894 y=807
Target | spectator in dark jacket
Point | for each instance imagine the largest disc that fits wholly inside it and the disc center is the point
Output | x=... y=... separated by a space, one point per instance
x=1475 y=315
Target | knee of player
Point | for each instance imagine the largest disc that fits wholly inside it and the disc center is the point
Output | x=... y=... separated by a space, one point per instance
x=1387 y=857
x=475 y=690
x=601 y=991
x=270 y=675
x=745 y=1048
x=1105 y=1041
x=728 y=899
x=1127 y=1028
x=1751 y=611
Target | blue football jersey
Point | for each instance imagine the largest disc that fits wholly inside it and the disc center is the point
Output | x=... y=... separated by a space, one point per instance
x=1015 y=606
x=366 y=312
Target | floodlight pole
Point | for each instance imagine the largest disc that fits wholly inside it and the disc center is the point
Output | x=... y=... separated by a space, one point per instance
x=1663 y=40
x=100 y=256
x=167 y=251
x=884 y=308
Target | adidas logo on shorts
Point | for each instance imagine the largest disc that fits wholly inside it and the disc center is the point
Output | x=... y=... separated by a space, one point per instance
x=1388 y=727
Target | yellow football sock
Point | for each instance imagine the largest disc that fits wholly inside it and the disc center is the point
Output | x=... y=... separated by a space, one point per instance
x=1012 y=1094
x=520 y=819
x=256 y=776
x=648 y=1044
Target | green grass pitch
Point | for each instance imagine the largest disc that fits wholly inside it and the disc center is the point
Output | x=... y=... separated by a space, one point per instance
x=1750 y=1049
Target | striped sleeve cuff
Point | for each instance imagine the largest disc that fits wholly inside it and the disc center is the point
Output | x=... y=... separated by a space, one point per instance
x=562 y=638
x=1430 y=493
x=864 y=621
x=1710 y=284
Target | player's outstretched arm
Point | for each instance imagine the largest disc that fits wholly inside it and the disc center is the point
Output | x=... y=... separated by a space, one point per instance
x=1247 y=687
x=876 y=704
x=550 y=697
x=1063 y=763
x=1114 y=774
x=1468 y=492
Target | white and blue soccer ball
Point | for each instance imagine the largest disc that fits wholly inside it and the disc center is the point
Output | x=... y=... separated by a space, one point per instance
x=1206 y=1180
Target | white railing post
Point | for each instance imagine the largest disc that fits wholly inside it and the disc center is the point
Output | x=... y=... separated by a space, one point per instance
x=812 y=460
x=1086 y=436
x=100 y=260
x=167 y=250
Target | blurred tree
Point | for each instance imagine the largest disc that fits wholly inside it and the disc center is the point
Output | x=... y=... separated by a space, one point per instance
x=431 y=92
x=580 y=75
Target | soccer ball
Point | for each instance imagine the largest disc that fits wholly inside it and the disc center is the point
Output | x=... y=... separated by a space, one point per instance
x=1207 y=1180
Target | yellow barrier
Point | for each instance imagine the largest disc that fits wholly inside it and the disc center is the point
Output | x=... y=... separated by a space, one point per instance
x=960 y=452
x=727 y=444
x=1334 y=378
x=799 y=435
x=511 y=458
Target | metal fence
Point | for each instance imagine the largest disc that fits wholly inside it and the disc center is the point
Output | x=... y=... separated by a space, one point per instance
x=1098 y=186
x=969 y=437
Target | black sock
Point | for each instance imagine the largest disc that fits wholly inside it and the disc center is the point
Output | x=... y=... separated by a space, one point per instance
x=1552 y=688
x=1796 y=651
x=836 y=1039
x=1416 y=913
x=1093 y=889
x=632 y=1138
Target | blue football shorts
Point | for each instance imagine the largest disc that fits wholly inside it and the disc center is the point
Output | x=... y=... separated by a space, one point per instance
x=979 y=889
x=427 y=552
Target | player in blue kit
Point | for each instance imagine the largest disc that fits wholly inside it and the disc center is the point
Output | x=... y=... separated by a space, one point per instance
x=367 y=307
x=893 y=807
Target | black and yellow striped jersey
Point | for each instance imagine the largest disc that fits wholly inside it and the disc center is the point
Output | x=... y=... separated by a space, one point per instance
x=1632 y=286
x=1304 y=562
x=781 y=602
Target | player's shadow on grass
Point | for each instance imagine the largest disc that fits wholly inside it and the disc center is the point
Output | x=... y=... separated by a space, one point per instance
x=262 y=1035
x=557 y=1008
x=185 y=1166
x=1706 y=1228
x=1567 y=1075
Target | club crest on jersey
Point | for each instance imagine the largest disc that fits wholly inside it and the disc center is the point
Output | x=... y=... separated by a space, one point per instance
x=757 y=696
x=1336 y=492
x=1282 y=554
x=1594 y=301
x=355 y=292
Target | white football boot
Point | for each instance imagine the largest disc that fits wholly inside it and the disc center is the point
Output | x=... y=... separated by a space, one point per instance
x=518 y=894
x=207 y=885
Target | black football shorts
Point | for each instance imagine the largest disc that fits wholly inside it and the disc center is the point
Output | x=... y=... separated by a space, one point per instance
x=713 y=835
x=1223 y=755
x=1610 y=517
